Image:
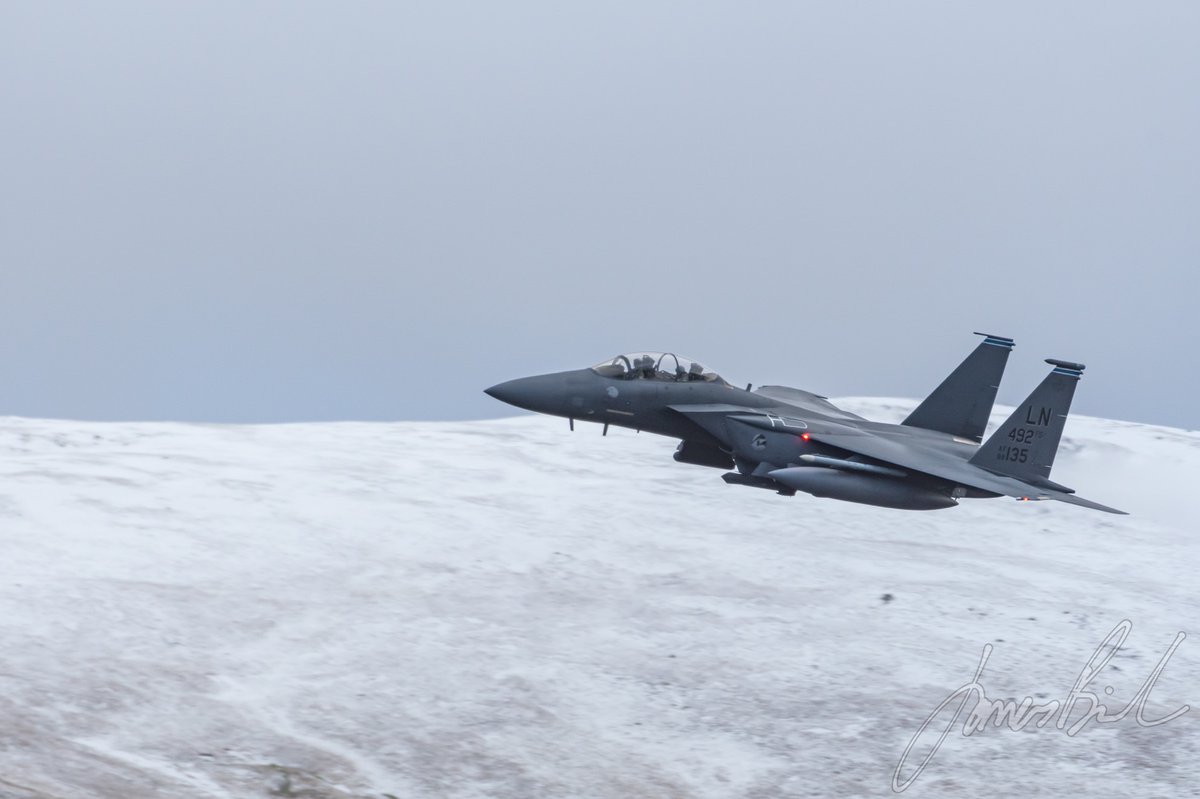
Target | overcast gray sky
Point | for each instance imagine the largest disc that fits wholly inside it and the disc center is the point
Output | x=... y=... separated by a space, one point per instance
x=294 y=211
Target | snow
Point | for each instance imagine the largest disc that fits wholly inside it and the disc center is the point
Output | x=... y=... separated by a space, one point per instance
x=507 y=609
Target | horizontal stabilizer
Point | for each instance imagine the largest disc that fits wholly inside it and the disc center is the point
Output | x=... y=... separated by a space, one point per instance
x=1071 y=499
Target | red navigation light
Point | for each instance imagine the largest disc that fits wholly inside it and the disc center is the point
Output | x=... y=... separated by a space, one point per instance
x=805 y=436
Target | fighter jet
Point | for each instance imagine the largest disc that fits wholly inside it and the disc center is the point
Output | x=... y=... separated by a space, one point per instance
x=788 y=440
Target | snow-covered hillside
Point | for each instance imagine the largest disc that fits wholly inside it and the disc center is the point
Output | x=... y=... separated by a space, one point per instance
x=507 y=609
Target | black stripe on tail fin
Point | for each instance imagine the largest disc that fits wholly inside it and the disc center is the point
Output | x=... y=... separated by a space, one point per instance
x=962 y=404
x=1024 y=446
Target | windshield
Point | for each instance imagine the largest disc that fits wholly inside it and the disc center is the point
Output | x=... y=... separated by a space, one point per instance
x=656 y=366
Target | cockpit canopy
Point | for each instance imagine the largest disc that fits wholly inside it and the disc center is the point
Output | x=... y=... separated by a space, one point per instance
x=666 y=366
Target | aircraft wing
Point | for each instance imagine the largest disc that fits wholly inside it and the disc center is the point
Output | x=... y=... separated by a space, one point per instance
x=913 y=456
x=806 y=400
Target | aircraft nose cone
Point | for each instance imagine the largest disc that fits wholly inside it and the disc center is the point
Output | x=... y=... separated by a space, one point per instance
x=503 y=391
x=531 y=393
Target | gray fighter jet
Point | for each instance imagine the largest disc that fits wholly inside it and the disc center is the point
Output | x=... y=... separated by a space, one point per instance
x=789 y=440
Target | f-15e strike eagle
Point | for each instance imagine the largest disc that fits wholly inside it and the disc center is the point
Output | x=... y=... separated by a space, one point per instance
x=789 y=440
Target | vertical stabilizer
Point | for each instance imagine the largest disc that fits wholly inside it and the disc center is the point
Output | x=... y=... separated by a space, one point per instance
x=962 y=404
x=1024 y=446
